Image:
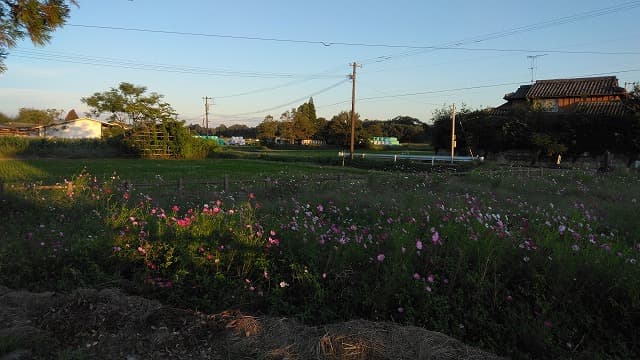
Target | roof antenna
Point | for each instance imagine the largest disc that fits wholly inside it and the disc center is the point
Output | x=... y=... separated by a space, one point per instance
x=533 y=65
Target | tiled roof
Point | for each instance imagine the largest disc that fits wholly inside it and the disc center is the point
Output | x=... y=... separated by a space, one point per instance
x=520 y=94
x=594 y=86
x=601 y=108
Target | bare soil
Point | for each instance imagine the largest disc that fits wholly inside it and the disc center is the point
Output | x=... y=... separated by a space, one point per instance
x=108 y=324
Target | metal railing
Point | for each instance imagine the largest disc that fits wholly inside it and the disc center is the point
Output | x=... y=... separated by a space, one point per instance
x=395 y=157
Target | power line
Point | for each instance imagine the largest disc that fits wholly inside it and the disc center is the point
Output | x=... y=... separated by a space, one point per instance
x=427 y=92
x=135 y=65
x=293 y=101
x=526 y=28
x=517 y=30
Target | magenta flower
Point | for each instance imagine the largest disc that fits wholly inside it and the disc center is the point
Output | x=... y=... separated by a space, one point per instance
x=419 y=245
x=430 y=278
x=416 y=276
x=175 y=208
x=380 y=257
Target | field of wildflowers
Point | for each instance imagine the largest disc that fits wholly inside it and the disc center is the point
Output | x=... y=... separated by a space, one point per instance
x=527 y=267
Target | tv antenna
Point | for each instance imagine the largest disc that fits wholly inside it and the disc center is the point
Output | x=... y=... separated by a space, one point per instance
x=533 y=65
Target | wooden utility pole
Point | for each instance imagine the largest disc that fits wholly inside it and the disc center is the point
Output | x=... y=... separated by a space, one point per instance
x=206 y=112
x=453 y=131
x=353 y=108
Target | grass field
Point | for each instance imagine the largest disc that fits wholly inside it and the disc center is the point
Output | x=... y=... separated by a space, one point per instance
x=57 y=170
x=524 y=265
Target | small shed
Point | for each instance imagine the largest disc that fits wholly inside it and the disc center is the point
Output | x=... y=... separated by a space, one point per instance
x=81 y=128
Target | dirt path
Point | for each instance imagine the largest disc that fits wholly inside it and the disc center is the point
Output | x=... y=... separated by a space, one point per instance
x=107 y=324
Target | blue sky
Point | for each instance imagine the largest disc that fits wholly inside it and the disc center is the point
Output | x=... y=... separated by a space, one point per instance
x=185 y=58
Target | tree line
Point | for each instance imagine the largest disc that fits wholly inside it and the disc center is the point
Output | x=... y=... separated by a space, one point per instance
x=539 y=134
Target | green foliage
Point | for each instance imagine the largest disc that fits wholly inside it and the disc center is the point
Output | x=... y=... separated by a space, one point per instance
x=36 y=19
x=4 y=118
x=407 y=129
x=39 y=117
x=173 y=136
x=129 y=103
x=571 y=134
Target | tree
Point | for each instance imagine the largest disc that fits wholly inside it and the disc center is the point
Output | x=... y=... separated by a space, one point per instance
x=308 y=117
x=40 y=117
x=441 y=132
x=339 y=128
x=267 y=129
x=34 y=18
x=128 y=103
x=4 y=118
x=633 y=98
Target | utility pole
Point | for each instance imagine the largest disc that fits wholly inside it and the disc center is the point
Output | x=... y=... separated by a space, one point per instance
x=453 y=131
x=206 y=112
x=353 y=107
x=533 y=65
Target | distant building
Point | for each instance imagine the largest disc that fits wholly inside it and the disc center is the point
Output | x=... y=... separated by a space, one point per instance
x=383 y=140
x=312 y=142
x=236 y=140
x=596 y=95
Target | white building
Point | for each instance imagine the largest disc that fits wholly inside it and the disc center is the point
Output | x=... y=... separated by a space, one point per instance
x=82 y=128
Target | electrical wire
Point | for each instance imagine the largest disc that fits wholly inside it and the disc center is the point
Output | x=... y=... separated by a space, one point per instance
x=135 y=65
x=495 y=35
x=513 y=31
x=293 y=101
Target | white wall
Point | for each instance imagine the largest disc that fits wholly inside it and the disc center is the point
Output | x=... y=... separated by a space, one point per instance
x=77 y=129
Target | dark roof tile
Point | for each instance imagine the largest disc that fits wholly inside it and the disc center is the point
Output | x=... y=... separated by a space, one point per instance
x=594 y=86
x=602 y=108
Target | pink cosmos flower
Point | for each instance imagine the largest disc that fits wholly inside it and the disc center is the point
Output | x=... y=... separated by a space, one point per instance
x=430 y=278
x=380 y=257
x=416 y=276
x=419 y=245
x=184 y=222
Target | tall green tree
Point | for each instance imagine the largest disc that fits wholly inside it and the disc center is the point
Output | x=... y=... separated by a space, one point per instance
x=267 y=129
x=285 y=126
x=307 y=114
x=36 y=19
x=40 y=117
x=339 y=129
x=130 y=103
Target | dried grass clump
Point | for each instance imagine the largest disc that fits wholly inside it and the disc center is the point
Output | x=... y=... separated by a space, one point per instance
x=350 y=348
